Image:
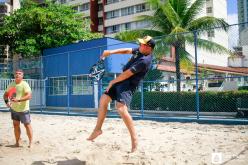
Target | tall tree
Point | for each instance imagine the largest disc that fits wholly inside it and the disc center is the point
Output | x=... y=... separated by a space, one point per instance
x=35 y=27
x=174 y=21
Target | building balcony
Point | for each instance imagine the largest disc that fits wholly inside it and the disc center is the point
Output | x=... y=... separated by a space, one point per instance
x=122 y=4
x=125 y=19
x=100 y=28
x=100 y=14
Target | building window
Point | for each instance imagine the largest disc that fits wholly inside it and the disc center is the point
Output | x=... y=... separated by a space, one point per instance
x=75 y=8
x=112 y=14
x=81 y=85
x=209 y=10
x=62 y=1
x=84 y=7
x=58 y=86
x=211 y=33
x=113 y=29
x=100 y=21
x=142 y=24
x=127 y=11
x=100 y=7
x=127 y=26
x=111 y=1
x=142 y=7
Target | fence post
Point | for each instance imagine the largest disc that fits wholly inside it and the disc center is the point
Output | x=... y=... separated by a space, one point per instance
x=142 y=99
x=41 y=83
x=68 y=84
x=196 y=76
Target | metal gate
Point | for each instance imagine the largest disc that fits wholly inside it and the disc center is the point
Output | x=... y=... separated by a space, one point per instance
x=38 y=100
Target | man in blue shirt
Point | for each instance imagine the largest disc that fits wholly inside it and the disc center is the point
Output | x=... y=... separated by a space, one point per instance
x=122 y=88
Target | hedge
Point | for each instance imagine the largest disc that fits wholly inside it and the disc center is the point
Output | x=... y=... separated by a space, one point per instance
x=243 y=88
x=185 y=101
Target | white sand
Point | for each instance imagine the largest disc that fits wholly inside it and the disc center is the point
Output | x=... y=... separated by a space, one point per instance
x=62 y=140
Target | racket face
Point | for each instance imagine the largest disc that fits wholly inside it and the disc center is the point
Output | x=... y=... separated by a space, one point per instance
x=11 y=93
x=97 y=71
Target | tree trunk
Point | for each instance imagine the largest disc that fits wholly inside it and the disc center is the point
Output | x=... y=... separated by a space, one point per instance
x=178 y=74
x=15 y=62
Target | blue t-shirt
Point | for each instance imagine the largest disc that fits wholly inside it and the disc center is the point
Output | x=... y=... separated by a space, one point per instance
x=139 y=64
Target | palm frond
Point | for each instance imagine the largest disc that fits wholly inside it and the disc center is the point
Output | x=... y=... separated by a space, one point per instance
x=156 y=22
x=185 y=61
x=178 y=30
x=160 y=21
x=180 y=6
x=170 y=13
x=207 y=23
x=154 y=3
x=162 y=48
x=192 y=12
x=208 y=46
x=134 y=34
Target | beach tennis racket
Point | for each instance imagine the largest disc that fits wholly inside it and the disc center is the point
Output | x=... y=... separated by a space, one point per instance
x=11 y=93
x=97 y=70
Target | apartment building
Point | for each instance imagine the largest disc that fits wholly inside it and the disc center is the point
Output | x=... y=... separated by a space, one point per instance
x=218 y=9
x=241 y=51
x=112 y=16
x=242 y=14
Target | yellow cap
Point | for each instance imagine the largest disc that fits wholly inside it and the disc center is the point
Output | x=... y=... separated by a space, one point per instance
x=147 y=40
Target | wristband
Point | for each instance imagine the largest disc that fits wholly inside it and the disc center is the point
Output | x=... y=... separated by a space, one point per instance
x=6 y=101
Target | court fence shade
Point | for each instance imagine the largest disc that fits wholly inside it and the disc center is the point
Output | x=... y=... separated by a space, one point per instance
x=195 y=75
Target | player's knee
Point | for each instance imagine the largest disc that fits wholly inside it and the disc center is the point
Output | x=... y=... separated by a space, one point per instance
x=104 y=101
x=120 y=107
x=27 y=125
x=103 y=105
x=16 y=125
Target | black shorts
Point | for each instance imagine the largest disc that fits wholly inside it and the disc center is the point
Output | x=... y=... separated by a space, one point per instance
x=121 y=92
x=24 y=117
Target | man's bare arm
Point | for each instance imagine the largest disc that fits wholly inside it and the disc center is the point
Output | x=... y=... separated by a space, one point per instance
x=26 y=97
x=123 y=76
x=106 y=53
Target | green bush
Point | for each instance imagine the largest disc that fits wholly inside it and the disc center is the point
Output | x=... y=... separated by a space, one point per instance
x=186 y=101
x=243 y=88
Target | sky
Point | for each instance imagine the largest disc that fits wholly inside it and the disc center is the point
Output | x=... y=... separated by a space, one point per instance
x=232 y=11
x=232 y=18
x=232 y=6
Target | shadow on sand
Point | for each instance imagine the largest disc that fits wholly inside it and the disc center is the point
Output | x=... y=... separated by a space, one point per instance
x=63 y=162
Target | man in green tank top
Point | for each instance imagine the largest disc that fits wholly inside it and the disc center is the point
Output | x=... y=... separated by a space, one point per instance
x=19 y=106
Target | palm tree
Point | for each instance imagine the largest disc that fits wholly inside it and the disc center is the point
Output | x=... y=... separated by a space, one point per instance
x=175 y=21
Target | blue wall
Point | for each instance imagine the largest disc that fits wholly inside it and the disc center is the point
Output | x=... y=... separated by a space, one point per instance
x=116 y=62
x=77 y=59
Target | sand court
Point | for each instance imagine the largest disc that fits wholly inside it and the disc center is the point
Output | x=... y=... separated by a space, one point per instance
x=62 y=140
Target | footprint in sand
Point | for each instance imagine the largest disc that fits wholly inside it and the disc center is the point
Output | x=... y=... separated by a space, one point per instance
x=100 y=145
x=72 y=138
x=115 y=147
x=110 y=128
x=76 y=151
x=80 y=131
